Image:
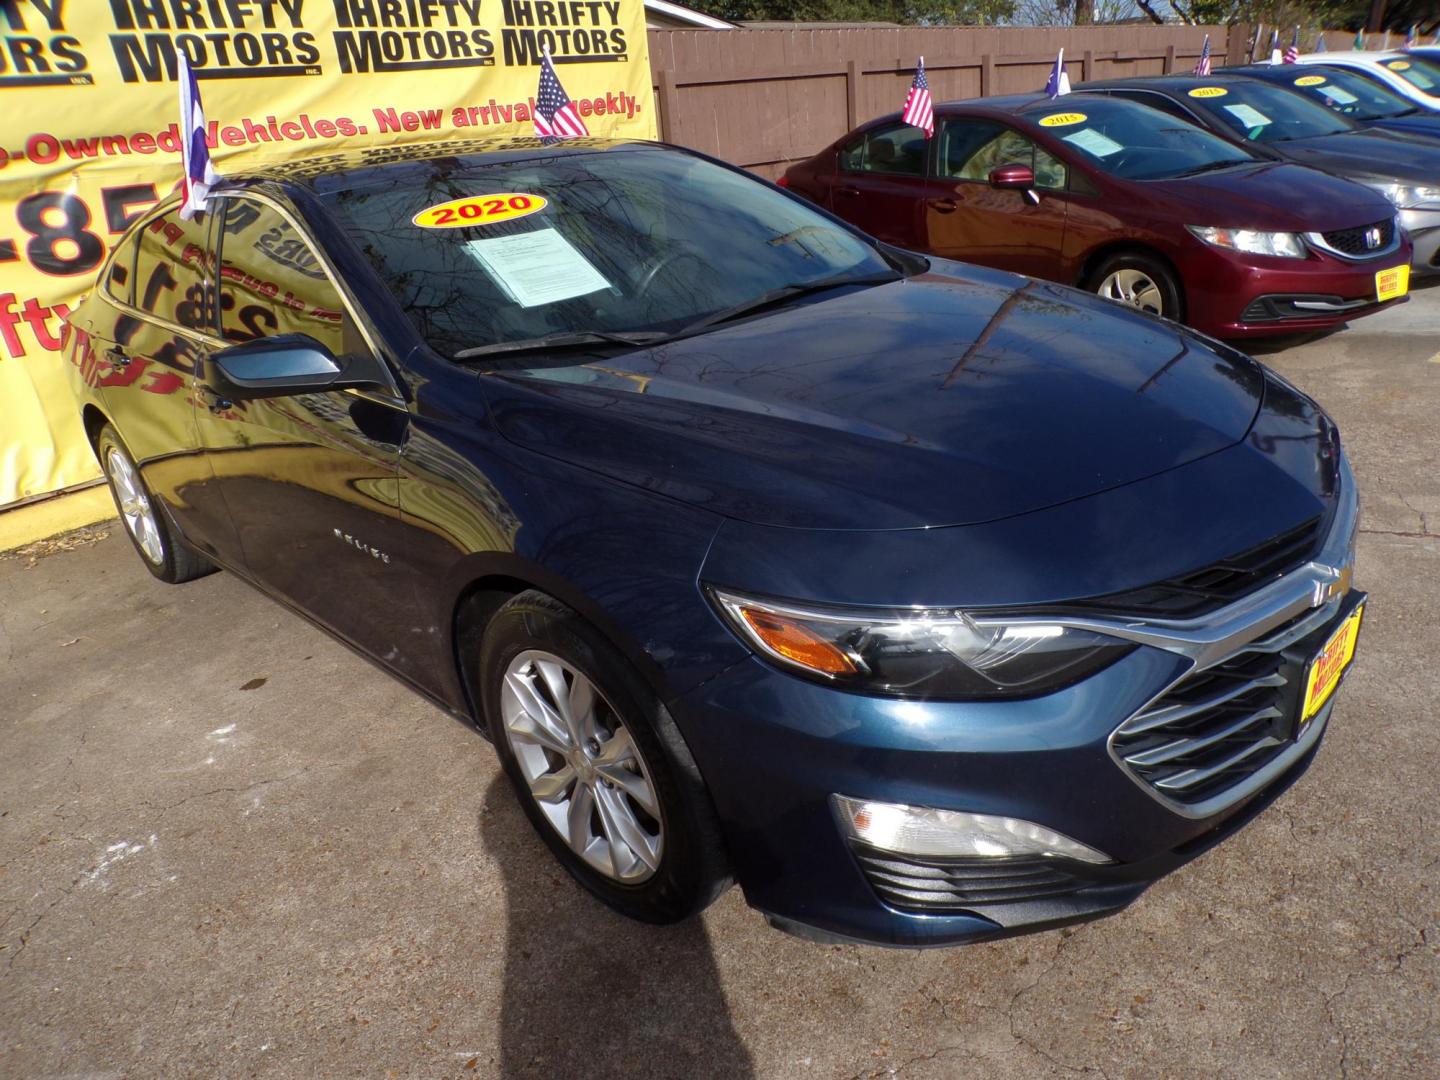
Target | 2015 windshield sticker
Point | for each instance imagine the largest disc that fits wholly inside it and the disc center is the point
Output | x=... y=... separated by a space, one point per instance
x=1209 y=91
x=479 y=210
x=1310 y=80
x=1399 y=65
x=1063 y=119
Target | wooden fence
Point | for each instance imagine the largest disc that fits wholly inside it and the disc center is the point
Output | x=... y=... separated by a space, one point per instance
x=767 y=98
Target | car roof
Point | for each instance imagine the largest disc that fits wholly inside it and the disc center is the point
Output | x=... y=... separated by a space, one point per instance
x=1172 y=83
x=1351 y=54
x=348 y=169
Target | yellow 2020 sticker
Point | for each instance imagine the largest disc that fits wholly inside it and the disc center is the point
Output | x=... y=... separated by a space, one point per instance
x=1398 y=65
x=479 y=210
x=1310 y=80
x=1063 y=119
x=1209 y=91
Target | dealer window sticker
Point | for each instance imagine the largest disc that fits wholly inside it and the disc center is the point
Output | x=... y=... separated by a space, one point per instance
x=1248 y=116
x=1339 y=95
x=536 y=268
x=1063 y=119
x=1310 y=80
x=1093 y=142
x=1209 y=92
x=474 y=210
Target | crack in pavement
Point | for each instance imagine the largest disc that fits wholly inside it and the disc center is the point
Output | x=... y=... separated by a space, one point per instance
x=65 y=893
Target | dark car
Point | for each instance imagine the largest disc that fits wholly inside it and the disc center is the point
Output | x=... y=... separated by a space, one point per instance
x=1284 y=126
x=931 y=603
x=1350 y=94
x=1120 y=200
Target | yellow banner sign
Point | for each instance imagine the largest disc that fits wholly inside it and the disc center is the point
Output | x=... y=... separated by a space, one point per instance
x=90 y=139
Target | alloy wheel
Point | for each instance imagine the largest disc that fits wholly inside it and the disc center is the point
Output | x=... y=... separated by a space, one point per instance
x=1133 y=287
x=582 y=767
x=135 y=508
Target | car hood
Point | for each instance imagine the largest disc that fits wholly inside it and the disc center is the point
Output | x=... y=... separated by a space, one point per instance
x=957 y=396
x=1275 y=196
x=1426 y=124
x=1370 y=153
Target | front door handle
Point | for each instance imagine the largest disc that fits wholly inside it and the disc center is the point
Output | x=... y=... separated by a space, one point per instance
x=944 y=205
x=847 y=191
x=117 y=356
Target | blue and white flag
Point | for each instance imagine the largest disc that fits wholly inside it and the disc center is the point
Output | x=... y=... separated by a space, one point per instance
x=195 y=152
x=1058 y=83
x=1320 y=44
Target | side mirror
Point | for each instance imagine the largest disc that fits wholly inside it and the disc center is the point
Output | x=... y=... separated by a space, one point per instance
x=1012 y=176
x=272 y=367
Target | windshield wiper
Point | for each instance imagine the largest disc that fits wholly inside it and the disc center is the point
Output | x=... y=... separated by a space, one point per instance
x=566 y=340
x=1211 y=166
x=785 y=292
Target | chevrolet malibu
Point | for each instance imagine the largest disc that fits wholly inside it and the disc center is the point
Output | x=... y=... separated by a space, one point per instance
x=1123 y=201
x=929 y=603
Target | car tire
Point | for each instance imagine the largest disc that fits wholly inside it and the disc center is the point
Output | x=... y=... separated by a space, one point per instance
x=611 y=788
x=164 y=554
x=1139 y=280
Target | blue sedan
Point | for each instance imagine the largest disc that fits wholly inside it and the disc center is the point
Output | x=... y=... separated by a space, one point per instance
x=929 y=603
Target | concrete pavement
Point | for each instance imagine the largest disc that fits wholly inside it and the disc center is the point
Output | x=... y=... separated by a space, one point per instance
x=230 y=848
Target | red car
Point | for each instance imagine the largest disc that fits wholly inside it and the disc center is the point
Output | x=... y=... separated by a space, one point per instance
x=1126 y=201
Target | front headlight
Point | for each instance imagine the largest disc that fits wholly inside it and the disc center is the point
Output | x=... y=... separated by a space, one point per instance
x=920 y=653
x=1407 y=196
x=1281 y=244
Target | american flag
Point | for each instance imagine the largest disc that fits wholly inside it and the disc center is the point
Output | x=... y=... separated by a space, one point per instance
x=1292 y=54
x=194 y=151
x=1202 y=66
x=919 y=109
x=555 y=115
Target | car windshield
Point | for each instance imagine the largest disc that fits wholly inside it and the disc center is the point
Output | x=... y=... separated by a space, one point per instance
x=1264 y=113
x=568 y=248
x=1422 y=74
x=1346 y=93
x=1132 y=141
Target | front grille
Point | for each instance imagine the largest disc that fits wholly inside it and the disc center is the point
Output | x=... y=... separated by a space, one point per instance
x=1352 y=241
x=1210 y=588
x=934 y=885
x=1219 y=726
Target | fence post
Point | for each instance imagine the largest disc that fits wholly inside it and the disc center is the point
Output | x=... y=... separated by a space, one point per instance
x=669 y=99
x=1237 y=41
x=852 y=94
x=1087 y=66
x=1169 y=59
x=987 y=75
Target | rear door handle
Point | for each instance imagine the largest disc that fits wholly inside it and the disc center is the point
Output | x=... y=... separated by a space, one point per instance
x=848 y=192
x=117 y=356
x=944 y=205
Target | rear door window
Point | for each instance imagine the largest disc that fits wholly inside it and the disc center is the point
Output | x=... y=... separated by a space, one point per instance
x=897 y=150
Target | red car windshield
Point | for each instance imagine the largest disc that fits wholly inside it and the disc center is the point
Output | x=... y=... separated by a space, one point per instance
x=1132 y=141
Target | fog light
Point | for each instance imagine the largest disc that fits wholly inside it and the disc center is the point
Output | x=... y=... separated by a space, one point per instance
x=922 y=831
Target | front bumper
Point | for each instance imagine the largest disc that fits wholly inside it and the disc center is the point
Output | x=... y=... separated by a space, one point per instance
x=774 y=748
x=1233 y=296
x=1424 y=229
